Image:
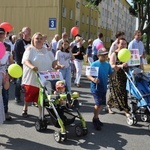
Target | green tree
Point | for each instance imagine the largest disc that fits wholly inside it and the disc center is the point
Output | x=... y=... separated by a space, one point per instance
x=93 y=3
x=141 y=10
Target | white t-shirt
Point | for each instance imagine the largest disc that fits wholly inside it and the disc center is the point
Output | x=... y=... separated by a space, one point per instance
x=40 y=58
x=54 y=44
x=63 y=58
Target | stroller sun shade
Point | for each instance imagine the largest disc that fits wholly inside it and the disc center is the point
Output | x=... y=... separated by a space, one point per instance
x=139 y=88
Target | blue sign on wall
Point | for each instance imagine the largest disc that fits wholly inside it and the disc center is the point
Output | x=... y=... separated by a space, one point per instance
x=52 y=23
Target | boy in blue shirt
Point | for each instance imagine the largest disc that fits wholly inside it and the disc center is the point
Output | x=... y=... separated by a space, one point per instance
x=99 y=84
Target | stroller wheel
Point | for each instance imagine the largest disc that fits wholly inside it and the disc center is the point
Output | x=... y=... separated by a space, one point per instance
x=144 y=117
x=57 y=136
x=38 y=125
x=79 y=130
x=64 y=136
x=85 y=131
x=130 y=121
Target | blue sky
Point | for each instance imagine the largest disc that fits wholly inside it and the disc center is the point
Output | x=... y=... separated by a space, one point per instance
x=129 y=1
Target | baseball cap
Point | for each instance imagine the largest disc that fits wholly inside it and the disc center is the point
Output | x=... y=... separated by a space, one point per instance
x=2 y=30
x=102 y=51
x=60 y=84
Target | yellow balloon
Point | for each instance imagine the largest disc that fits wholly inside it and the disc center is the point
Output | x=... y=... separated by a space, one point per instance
x=124 y=55
x=15 y=71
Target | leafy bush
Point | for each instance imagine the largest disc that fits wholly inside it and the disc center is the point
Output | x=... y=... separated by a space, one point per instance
x=148 y=59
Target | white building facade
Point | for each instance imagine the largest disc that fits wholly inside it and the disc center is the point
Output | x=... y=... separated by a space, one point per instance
x=115 y=17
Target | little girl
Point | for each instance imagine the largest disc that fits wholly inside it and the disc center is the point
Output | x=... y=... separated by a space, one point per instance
x=4 y=80
x=63 y=58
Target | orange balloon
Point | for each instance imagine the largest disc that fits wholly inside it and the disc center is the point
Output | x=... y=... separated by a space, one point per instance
x=74 y=31
x=6 y=26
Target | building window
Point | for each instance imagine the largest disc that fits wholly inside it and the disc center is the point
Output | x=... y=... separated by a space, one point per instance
x=77 y=4
x=64 y=12
x=82 y=35
x=87 y=20
x=77 y=23
x=91 y=36
x=86 y=38
x=83 y=18
x=103 y=12
x=71 y=14
x=63 y=29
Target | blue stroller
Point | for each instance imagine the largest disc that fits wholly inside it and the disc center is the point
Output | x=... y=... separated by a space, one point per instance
x=138 y=86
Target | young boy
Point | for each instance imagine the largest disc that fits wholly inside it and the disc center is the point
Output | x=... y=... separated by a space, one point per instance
x=99 y=84
x=60 y=89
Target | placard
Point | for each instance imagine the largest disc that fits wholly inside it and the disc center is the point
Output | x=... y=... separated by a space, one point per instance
x=92 y=71
x=135 y=58
x=49 y=75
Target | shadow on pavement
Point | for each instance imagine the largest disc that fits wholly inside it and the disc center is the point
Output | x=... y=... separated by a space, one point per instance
x=18 y=143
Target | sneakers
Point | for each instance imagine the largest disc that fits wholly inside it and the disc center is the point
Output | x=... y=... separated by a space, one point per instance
x=18 y=100
x=97 y=123
x=110 y=111
x=24 y=114
x=127 y=115
x=7 y=117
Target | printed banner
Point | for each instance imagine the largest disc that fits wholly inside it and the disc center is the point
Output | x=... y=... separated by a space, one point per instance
x=135 y=58
x=49 y=75
x=92 y=71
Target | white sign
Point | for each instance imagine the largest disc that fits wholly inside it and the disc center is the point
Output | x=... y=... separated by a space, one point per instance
x=49 y=75
x=135 y=58
x=92 y=71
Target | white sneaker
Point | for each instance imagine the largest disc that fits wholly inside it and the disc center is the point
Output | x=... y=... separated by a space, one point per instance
x=127 y=114
x=110 y=111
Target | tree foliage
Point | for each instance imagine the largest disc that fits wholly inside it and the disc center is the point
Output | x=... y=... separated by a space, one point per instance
x=93 y=3
x=141 y=10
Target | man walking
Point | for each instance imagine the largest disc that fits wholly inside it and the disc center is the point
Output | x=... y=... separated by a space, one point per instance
x=19 y=49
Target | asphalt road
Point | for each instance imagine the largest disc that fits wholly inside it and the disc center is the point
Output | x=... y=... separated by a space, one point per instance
x=20 y=133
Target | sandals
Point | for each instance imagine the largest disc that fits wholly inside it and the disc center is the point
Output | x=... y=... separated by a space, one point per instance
x=24 y=113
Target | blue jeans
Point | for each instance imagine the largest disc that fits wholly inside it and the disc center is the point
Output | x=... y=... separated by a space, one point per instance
x=18 y=88
x=5 y=95
x=66 y=73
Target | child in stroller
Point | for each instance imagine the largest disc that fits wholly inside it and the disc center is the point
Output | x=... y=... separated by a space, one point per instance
x=54 y=102
x=138 y=86
x=60 y=89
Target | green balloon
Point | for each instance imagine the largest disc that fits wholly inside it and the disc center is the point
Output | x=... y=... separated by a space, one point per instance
x=15 y=71
x=124 y=55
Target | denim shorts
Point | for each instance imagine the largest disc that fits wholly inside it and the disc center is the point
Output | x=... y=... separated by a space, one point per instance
x=99 y=97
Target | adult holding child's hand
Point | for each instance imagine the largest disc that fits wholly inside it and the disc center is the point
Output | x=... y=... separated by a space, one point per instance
x=118 y=93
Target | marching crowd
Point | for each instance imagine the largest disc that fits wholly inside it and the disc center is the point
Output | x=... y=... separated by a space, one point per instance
x=36 y=53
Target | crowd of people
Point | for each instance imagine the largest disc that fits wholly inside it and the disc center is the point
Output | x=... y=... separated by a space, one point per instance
x=67 y=57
